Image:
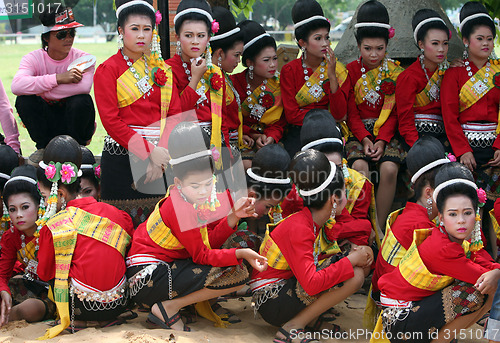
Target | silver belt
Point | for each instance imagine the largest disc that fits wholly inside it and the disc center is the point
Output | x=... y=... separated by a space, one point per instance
x=480 y=135
x=429 y=123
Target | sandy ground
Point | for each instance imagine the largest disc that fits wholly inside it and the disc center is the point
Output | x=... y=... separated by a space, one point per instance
x=249 y=330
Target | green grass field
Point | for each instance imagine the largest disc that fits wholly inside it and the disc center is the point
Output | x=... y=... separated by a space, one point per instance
x=10 y=56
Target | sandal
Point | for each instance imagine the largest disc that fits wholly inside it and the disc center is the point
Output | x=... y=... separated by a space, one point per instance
x=165 y=324
x=225 y=314
x=288 y=338
x=318 y=325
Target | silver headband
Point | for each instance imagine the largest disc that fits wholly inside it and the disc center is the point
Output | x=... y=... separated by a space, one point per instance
x=428 y=167
x=373 y=24
x=333 y=169
x=225 y=34
x=451 y=182
x=193 y=10
x=174 y=161
x=267 y=179
x=4 y=176
x=246 y=46
x=132 y=3
x=321 y=141
x=474 y=16
x=422 y=23
x=305 y=21
x=21 y=177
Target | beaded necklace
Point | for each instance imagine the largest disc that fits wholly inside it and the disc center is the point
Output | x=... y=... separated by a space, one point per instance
x=481 y=85
x=31 y=265
x=315 y=90
x=257 y=110
x=315 y=248
x=201 y=90
x=142 y=83
x=373 y=96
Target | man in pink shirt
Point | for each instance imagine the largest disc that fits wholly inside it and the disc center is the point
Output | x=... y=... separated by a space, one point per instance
x=9 y=125
x=52 y=100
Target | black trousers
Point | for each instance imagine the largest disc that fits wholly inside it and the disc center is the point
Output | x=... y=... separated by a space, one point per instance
x=73 y=116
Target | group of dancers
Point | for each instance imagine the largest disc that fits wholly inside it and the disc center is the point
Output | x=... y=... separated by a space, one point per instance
x=169 y=232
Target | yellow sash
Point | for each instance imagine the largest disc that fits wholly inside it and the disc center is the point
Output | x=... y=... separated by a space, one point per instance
x=163 y=236
x=128 y=92
x=413 y=269
x=271 y=115
x=422 y=99
x=304 y=96
x=494 y=222
x=392 y=251
x=389 y=100
x=28 y=251
x=275 y=258
x=65 y=226
x=229 y=99
x=468 y=95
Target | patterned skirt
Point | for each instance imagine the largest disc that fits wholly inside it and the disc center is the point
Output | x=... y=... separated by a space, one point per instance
x=22 y=289
x=421 y=321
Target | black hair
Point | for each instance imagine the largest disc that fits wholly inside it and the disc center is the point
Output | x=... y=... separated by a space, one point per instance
x=455 y=170
x=61 y=149
x=226 y=23
x=250 y=30
x=22 y=186
x=188 y=138
x=8 y=161
x=372 y=11
x=88 y=173
x=271 y=161
x=134 y=10
x=303 y=9
x=424 y=14
x=308 y=170
x=319 y=123
x=48 y=18
x=474 y=7
x=200 y=4
x=426 y=149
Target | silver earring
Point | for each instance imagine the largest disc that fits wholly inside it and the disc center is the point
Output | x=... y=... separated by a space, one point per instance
x=466 y=52
x=334 y=210
x=250 y=72
x=219 y=61
x=429 y=206
x=120 y=41
x=178 y=48
x=304 y=53
x=493 y=55
x=63 y=204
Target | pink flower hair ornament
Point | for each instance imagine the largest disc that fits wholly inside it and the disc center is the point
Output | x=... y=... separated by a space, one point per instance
x=158 y=17
x=52 y=171
x=69 y=173
x=451 y=157
x=392 y=32
x=215 y=153
x=215 y=26
x=97 y=171
x=481 y=195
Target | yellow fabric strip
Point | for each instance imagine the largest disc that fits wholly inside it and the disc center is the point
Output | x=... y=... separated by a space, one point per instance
x=422 y=99
x=126 y=88
x=64 y=227
x=392 y=251
x=494 y=222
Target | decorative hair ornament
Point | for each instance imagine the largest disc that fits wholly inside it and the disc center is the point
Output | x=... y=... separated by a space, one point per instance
x=21 y=177
x=5 y=216
x=428 y=167
x=452 y=182
x=4 y=176
x=422 y=23
x=212 y=203
x=174 y=161
x=308 y=20
x=267 y=179
x=333 y=169
x=215 y=26
x=97 y=171
x=473 y=16
x=225 y=34
x=67 y=172
x=132 y=3
x=476 y=243
x=345 y=173
x=158 y=17
x=193 y=10
x=451 y=157
x=372 y=24
x=392 y=33
x=321 y=141
x=255 y=39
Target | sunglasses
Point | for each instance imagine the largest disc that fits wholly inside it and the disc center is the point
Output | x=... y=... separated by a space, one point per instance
x=64 y=33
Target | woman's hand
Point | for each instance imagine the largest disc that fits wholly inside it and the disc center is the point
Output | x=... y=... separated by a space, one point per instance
x=198 y=69
x=72 y=76
x=153 y=172
x=378 y=150
x=367 y=146
x=361 y=256
x=468 y=160
x=264 y=140
x=487 y=283
x=6 y=306
x=243 y=208
x=159 y=156
x=495 y=162
x=331 y=62
x=248 y=141
x=257 y=261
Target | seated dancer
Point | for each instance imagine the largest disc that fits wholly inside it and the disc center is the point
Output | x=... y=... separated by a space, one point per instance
x=259 y=88
x=91 y=175
x=185 y=252
x=424 y=159
x=79 y=234
x=418 y=89
x=443 y=283
x=132 y=82
x=372 y=116
x=52 y=100
x=303 y=280
x=356 y=222
x=8 y=161
x=314 y=79
x=23 y=295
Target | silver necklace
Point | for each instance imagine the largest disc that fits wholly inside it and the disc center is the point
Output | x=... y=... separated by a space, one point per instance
x=142 y=83
x=372 y=96
x=201 y=90
x=256 y=110
x=315 y=247
x=31 y=265
x=434 y=87
x=481 y=85
x=315 y=90
x=236 y=95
